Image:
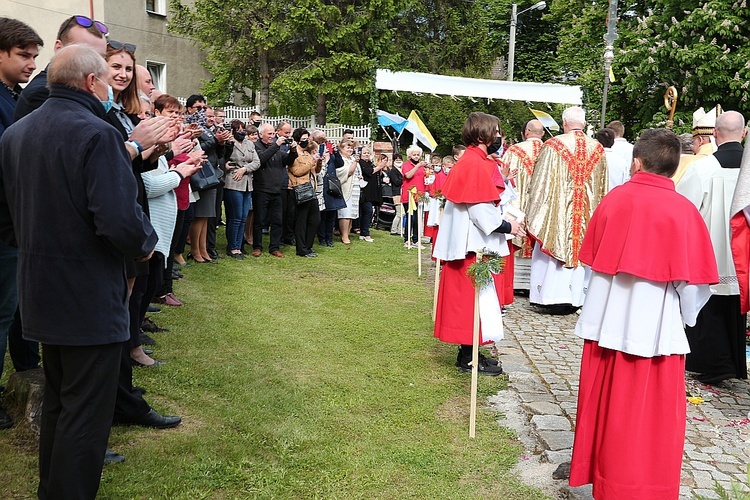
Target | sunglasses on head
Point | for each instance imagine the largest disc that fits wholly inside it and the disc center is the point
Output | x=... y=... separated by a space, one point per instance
x=129 y=47
x=86 y=22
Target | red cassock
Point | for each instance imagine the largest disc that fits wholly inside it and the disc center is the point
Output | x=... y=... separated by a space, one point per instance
x=434 y=188
x=473 y=179
x=630 y=422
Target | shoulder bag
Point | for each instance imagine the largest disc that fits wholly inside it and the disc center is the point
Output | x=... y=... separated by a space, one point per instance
x=205 y=178
x=334 y=186
x=304 y=193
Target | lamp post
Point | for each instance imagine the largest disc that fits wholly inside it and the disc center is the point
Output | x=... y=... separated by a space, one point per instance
x=609 y=53
x=513 y=21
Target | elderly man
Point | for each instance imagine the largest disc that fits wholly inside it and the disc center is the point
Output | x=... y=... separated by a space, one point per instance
x=268 y=181
x=570 y=178
x=78 y=214
x=717 y=341
x=703 y=140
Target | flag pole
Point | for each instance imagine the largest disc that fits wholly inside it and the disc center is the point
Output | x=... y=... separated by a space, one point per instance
x=437 y=289
x=437 y=274
x=474 y=362
x=420 y=216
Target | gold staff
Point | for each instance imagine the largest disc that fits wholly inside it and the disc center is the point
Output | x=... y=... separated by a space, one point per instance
x=670 y=102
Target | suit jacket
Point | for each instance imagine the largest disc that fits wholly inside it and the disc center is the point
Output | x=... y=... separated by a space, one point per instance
x=71 y=207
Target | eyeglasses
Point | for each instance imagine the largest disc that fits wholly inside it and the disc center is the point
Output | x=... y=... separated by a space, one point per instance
x=129 y=47
x=198 y=106
x=85 y=22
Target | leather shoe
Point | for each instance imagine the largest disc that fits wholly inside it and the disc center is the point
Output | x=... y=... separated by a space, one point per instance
x=278 y=254
x=155 y=364
x=155 y=420
x=151 y=327
x=257 y=252
x=170 y=300
x=5 y=420
x=112 y=457
x=145 y=339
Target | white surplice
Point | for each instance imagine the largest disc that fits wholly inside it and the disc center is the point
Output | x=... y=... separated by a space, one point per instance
x=469 y=228
x=640 y=317
x=711 y=188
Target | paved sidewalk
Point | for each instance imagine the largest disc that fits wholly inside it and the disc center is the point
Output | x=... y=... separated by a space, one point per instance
x=542 y=356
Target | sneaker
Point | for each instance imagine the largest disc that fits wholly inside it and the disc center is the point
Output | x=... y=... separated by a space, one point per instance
x=170 y=300
x=366 y=238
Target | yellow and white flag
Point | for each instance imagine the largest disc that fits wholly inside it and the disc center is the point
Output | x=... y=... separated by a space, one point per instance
x=420 y=131
x=546 y=119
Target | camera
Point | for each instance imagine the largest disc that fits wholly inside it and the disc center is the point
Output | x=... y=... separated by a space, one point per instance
x=227 y=126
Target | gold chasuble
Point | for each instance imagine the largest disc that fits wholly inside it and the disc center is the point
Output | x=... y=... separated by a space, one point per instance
x=570 y=179
x=522 y=157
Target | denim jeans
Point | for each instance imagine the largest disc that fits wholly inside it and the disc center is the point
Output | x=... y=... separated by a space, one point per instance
x=8 y=295
x=238 y=205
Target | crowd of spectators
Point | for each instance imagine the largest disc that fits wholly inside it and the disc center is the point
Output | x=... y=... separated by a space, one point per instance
x=190 y=173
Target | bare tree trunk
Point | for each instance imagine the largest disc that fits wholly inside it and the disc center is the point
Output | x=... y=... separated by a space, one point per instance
x=265 y=81
x=320 y=117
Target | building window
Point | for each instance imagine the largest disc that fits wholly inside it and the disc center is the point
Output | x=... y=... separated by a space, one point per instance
x=156 y=7
x=158 y=75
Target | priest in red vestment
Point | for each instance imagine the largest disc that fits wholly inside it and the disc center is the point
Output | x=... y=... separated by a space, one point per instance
x=630 y=422
x=472 y=221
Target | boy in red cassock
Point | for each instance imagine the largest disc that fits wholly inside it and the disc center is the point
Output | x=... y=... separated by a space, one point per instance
x=652 y=261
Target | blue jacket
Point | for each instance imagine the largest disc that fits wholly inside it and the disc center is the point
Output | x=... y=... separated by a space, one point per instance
x=331 y=202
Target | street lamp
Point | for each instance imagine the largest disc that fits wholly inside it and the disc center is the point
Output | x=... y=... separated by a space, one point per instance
x=513 y=20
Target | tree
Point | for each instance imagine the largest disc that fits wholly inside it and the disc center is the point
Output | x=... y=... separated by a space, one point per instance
x=699 y=47
x=238 y=38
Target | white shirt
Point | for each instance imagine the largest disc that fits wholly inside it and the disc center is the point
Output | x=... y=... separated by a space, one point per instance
x=617 y=167
x=623 y=148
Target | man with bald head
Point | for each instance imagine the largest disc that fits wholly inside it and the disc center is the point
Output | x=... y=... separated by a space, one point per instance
x=717 y=341
x=77 y=213
x=520 y=158
x=145 y=82
x=570 y=179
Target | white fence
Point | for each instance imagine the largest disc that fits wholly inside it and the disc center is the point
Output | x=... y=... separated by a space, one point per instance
x=334 y=132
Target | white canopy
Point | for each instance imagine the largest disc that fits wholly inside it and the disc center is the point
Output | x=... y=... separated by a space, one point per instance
x=475 y=87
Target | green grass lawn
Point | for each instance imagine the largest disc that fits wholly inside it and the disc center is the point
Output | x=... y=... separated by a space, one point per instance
x=302 y=378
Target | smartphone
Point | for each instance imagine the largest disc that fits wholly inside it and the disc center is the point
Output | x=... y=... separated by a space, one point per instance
x=321 y=149
x=227 y=126
x=359 y=151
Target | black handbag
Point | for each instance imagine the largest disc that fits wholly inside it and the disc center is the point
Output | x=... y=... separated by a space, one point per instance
x=304 y=193
x=334 y=187
x=205 y=178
